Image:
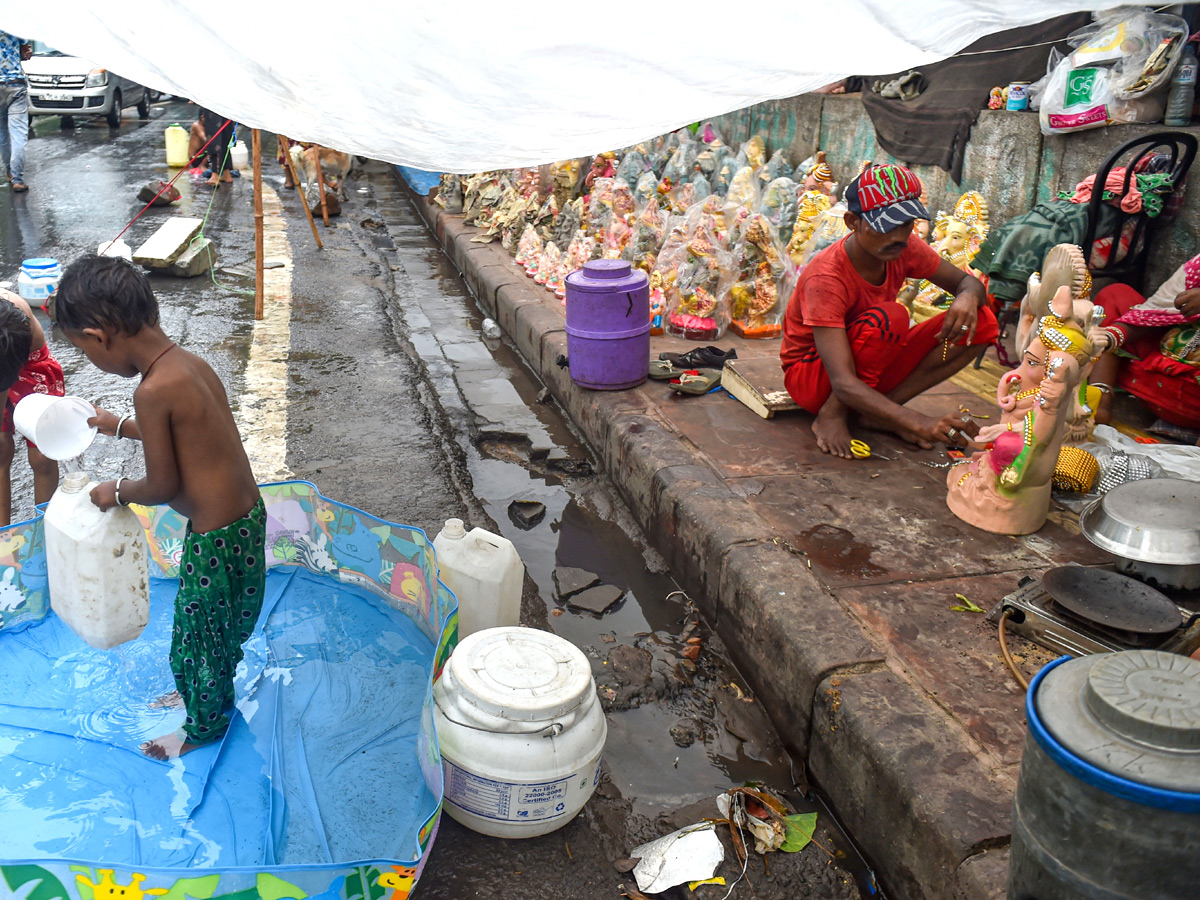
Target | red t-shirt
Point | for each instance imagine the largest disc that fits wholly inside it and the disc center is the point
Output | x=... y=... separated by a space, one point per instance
x=831 y=293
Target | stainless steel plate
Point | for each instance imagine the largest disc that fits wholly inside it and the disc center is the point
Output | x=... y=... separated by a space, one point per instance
x=1154 y=521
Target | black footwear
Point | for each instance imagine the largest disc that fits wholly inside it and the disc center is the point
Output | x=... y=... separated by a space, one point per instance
x=700 y=358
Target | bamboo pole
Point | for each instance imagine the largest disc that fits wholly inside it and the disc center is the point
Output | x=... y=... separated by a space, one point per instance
x=287 y=163
x=256 y=145
x=321 y=184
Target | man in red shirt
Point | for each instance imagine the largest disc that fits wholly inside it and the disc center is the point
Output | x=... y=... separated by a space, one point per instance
x=847 y=343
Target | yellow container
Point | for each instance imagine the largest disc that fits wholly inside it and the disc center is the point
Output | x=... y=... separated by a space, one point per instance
x=177 y=146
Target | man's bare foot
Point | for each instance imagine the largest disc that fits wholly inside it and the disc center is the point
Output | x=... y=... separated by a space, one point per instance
x=833 y=434
x=213 y=180
x=172 y=700
x=169 y=746
x=227 y=178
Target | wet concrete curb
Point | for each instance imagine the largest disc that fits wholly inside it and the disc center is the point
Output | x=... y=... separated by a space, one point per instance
x=906 y=782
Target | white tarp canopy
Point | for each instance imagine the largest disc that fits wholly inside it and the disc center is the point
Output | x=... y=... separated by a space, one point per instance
x=470 y=86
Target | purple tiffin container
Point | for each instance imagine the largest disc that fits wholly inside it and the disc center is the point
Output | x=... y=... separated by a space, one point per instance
x=608 y=325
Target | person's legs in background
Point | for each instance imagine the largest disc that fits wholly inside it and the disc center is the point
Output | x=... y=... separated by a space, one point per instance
x=17 y=128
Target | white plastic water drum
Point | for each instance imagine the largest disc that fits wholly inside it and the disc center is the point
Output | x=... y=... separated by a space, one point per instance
x=39 y=278
x=97 y=565
x=239 y=156
x=58 y=425
x=521 y=732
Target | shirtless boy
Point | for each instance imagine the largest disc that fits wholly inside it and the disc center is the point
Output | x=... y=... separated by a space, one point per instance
x=195 y=462
x=847 y=344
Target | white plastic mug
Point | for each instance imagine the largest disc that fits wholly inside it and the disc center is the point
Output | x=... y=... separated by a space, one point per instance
x=58 y=425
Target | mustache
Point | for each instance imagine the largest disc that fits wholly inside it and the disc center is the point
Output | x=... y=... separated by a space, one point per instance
x=899 y=245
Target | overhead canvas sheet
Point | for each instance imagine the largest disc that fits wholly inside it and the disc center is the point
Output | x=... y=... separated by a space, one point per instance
x=471 y=86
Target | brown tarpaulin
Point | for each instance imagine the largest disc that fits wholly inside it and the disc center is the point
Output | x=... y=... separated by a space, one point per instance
x=932 y=129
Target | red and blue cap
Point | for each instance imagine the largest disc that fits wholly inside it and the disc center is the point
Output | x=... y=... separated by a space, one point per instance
x=886 y=197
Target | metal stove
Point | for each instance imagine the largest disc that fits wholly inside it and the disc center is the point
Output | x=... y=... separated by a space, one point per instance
x=1038 y=617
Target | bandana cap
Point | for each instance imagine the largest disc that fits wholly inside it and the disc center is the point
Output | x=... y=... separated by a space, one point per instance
x=886 y=197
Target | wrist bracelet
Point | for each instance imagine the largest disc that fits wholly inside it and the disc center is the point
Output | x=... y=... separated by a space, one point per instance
x=117 y=490
x=1101 y=387
x=125 y=418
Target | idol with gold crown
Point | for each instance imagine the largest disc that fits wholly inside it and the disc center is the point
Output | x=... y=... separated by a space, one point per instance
x=957 y=237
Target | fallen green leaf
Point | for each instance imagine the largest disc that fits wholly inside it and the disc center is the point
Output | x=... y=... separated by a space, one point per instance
x=967 y=605
x=799 y=831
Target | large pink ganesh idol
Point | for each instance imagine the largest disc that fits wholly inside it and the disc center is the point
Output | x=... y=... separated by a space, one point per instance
x=1006 y=489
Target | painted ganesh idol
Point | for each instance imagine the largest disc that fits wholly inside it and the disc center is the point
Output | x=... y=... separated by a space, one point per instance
x=956 y=238
x=1006 y=489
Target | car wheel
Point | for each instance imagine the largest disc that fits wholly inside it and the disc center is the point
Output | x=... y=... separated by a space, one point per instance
x=67 y=122
x=143 y=106
x=114 y=114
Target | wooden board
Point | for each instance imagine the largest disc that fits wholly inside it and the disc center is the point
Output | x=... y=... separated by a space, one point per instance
x=758 y=383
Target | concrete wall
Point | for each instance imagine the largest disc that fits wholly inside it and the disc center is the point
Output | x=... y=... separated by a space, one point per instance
x=1008 y=160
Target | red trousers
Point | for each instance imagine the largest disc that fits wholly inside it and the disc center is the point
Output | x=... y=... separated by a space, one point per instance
x=1167 y=386
x=886 y=351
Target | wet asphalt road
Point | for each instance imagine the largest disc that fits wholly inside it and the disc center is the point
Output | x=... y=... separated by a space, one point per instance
x=382 y=399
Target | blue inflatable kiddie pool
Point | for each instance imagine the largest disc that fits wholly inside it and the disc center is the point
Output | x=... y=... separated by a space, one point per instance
x=328 y=783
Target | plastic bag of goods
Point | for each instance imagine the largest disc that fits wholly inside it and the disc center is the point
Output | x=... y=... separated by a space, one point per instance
x=701 y=189
x=528 y=245
x=753 y=153
x=743 y=191
x=830 y=228
x=581 y=249
x=777 y=167
x=680 y=198
x=633 y=165
x=616 y=237
x=569 y=220
x=548 y=264
x=710 y=158
x=697 y=306
x=649 y=229
x=566 y=177
x=779 y=204
x=646 y=188
x=599 y=207
x=679 y=167
x=723 y=177
x=755 y=300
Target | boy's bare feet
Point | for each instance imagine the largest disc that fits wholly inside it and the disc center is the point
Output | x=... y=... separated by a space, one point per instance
x=832 y=431
x=169 y=746
x=172 y=700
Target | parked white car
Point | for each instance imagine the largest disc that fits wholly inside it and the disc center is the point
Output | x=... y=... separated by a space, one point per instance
x=61 y=85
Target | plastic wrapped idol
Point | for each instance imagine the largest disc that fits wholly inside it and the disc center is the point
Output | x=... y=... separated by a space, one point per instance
x=831 y=227
x=724 y=175
x=680 y=199
x=696 y=309
x=566 y=177
x=779 y=205
x=701 y=189
x=616 y=237
x=526 y=182
x=579 y=251
x=599 y=208
x=777 y=167
x=568 y=222
x=633 y=165
x=549 y=270
x=679 y=166
x=753 y=153
x=649 y=229
x=549 y=262
x=646 y=187
x=450 y=193
x=529 y=245
x=743 y=191
x=810 y=207
x=758 y=297
x=710 y=158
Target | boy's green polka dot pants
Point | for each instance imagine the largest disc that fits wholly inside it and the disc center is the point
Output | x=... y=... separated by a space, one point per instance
x=222 y=577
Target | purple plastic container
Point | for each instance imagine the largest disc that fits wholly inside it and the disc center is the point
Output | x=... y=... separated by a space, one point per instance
x=608 y=325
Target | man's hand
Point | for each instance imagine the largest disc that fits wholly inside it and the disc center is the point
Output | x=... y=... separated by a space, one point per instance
x=105 y=495
x=1188 y=302
x=26 y=51
x=961 y=319
x=953 y=430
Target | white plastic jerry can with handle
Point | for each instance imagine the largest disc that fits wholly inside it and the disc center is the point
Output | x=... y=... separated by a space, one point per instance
x=485 y=573
x=97 y=565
